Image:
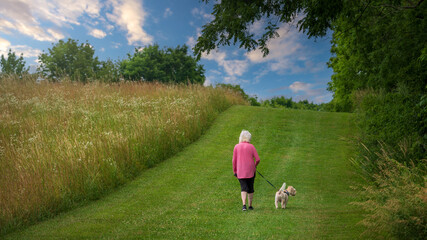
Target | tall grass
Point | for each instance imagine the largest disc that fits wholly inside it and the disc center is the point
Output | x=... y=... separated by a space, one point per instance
x=396 y=201
x=65 y=143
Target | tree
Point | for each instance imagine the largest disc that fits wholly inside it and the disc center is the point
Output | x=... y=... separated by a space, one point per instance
x=381 y=52
x=13 y=64
x=69 y=59
x=377 y=43
x=171 y=65
x=108 y=71
x=233 y=19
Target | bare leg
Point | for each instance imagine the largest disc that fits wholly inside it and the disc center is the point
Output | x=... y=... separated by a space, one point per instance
x=251 y=197
x=244 y=196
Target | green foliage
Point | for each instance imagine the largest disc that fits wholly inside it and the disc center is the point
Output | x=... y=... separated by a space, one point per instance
x=13 y=64
x=277 y=102
x=392 y=118
x=171 y=65
x=108 y=71
x=233 y=19
x=237 y=89
x=379 y=45
x=69 y=59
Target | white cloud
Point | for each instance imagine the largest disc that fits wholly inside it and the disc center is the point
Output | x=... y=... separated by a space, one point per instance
x=25 y=16
x=235 y=67
x=5 y=26
x=201 y=14
x=308 y=91
x=287 y=54
x=27 y=51
x=4 y=45
x=116 y=45
x=130 y=16
x=55 y=34
x=300 y=86
x=97 y=33
x=168 y=12
x=231 y=67
x=191 y=42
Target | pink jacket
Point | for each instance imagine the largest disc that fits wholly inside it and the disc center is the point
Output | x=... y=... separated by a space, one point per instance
x=243 y=160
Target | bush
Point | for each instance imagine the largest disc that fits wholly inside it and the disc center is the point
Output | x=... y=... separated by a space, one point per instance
x=392 y=118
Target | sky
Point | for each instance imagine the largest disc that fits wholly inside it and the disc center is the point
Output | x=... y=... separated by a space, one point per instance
x=296 y=66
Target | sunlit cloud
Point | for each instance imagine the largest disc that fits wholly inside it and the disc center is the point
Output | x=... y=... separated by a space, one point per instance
x=26 y=51
x=300 y=86
x=130 y=16
x=25 y=16
x=97 y=33
x=287 y=54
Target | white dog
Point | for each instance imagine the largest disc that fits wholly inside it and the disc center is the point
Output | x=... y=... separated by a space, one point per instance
x=282 y=195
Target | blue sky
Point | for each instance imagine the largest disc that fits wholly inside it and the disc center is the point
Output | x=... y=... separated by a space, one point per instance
x=296 y=66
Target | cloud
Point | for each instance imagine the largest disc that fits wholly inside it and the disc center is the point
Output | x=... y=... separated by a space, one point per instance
x=4 y=45
x=287 y=54
x=300 y=86
x=130 y=16
x=232 y=67
x=97 y=33
x=191 y=42
x=168 y=12
x=25 y=16
x=200 y=13
x=26 y=51
x=309 y=91
x=235 y=67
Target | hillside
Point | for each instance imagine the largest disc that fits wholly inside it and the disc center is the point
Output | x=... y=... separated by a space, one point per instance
x=194 y=195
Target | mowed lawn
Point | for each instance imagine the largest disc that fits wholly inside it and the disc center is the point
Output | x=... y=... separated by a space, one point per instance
x=194 y=195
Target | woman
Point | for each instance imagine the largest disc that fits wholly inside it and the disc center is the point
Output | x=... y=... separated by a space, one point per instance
x=244 y=167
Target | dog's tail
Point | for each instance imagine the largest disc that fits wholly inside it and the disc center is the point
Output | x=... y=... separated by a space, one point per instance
x=283 y=187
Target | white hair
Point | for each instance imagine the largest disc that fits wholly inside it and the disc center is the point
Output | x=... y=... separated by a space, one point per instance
x=245 y=136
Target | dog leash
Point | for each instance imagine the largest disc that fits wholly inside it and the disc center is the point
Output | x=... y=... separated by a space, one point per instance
x=266 y=179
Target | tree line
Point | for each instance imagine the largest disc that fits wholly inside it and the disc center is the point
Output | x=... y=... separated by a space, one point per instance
x=77 y=61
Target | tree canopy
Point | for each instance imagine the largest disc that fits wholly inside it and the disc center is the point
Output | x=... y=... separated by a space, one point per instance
x=233 y=20
x=380 y=48
x=171 y=65
x=69 y=59
x=13 y=64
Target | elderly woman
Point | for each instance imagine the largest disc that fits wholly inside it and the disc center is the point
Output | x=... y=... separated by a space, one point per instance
x=244 y=167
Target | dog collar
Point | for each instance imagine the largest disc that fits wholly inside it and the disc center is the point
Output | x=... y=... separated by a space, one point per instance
x=286 y=191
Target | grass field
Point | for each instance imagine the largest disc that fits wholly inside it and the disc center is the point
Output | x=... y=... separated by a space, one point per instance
x=194 y=195
x=67 y=143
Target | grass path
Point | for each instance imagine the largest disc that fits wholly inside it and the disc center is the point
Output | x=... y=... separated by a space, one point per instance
x=195 y=196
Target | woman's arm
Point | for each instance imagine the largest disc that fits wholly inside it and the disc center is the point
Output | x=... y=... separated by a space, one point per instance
x=235 y=161
x=256 y=157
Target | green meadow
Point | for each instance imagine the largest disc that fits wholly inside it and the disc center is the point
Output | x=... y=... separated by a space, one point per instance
x=194 y=195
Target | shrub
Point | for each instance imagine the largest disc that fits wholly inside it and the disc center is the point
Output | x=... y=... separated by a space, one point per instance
x=391 y=118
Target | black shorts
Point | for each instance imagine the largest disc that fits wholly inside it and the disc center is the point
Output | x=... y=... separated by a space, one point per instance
x=247 y=184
